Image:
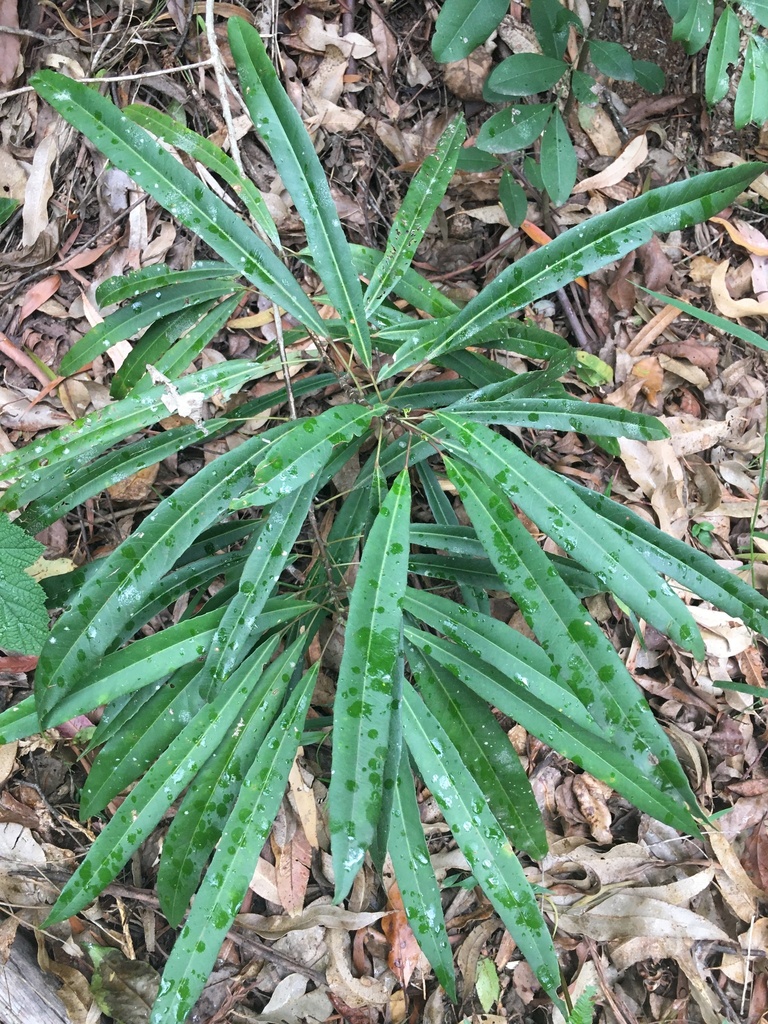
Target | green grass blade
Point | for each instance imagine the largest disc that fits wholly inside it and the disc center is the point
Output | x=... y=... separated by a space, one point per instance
x=363 y=705
x=423 y=197
x=480 y=838
x=564 y=414
x=583 y=657
x=210 y=156
x=582 y=250
x=119 y=587
x=144 y=806
x=697 y=571
x=549 y=502
x=207 y=804
x=226 y=880
x=732 y=327
x=176 y=189
x=303 y=450
x=280 y=126
x=416 y=879
x=586 y=748
x=486 y=752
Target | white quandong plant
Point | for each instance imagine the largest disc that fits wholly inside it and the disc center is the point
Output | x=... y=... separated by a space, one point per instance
x=211 y=710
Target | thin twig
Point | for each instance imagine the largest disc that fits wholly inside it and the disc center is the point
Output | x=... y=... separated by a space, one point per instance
x=118 y=78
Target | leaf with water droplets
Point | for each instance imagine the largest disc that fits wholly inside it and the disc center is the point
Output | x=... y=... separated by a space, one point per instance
x=233 y=864
x=480 y=838
x=564 y=414
x=366 y=686
x=551 y=504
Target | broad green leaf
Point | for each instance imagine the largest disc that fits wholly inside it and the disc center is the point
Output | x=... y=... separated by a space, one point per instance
x=23 y=618
x=678 y=8
x=513 y=199
x=68 y=449
x=119 y=587
x=544 y=719
x=583 y=657
x=525 y=74
x=178 y=190
x=723 y=51
x=558 y=160
x=612 y=59
x=302 y=451
x=584 y=88
x=758 y=9
x=649 y=76
x=463 y=25
x=486 y=752
x=694 y=28
x=7 y=209
x=146 y=803
x=226 y=881
x=514 y=128
x=137 y=315
x=207 y=804
x=751 y=104
x=480 y=838
x=209 y=156
x=416 y=879
x=280 y=126
x=268 y=553
x=582 y=250
x=728 y=326
x=545 y=498
x=693 y=569
x=564 y=414
x=19 y=721
x=363 y=705
x=475 y=161
x=423 y=197
x=551 y=23
x=487 y=984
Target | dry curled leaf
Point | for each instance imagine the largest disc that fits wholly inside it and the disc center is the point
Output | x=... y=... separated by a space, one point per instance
x=729 y=306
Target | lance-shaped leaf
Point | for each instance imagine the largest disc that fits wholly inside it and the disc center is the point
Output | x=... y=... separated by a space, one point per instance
x=485 y=750
x=423 y=197
x=582 y=250
x=463 y=25
x=302 y=451
x=550 y=503
x=178 y=190
x=550 y=722
x=564 y=414
x=208 y=802
x=237 y=854
x=210 y=156
x=363 y=705
x=583 y=657
x=416 y=879
x=119 y=587
x=145 y=805
x=480 y=838
x=280 y=126
x=723 y=51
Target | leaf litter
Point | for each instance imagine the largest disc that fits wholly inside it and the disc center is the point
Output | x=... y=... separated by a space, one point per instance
x=663 y=926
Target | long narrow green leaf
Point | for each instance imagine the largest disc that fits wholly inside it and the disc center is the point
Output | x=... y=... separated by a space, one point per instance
x=582 y=655
x=423 y=197
x=486 y=752
x=587 y=748
x=178 y=190
x=565 y=414
x=19 y=721
x=728 y=326
x=158 y=275
x=210 y=156
x=119 y=588
x=480 y=838
x=550 y=503
x=208 y=802
x=226 y=881
x=697 y=571
x=723 y=51
x=143 y=807
x=363 y=706
x=582 y=250
x=416 y=879
x=278 y=123
x=303 y=450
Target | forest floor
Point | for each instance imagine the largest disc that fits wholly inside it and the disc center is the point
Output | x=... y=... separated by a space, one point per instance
x=665 y=928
